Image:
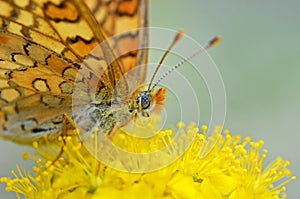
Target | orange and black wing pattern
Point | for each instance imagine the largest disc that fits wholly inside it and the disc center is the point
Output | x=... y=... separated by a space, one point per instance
x=43 y=44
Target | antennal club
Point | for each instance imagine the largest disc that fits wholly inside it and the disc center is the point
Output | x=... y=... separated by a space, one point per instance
x=210 y=44
x=175 y=40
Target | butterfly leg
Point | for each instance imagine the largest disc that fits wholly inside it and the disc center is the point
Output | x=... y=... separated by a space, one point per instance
x=113 y=131
x=133 y=117
x=67 y=125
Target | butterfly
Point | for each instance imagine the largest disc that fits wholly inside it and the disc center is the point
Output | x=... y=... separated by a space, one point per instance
x=44 y=45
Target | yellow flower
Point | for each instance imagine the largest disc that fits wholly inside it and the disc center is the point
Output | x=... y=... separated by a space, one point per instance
x=231 y=168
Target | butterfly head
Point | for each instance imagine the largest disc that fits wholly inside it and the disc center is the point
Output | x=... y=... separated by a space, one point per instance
x=150 y=100
x=147 y=102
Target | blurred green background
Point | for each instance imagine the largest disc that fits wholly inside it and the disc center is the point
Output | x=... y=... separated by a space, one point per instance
x=259 y=59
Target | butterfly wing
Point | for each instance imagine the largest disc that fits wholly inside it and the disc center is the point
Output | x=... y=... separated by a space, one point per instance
x=129 y=20
x=42 y=46
x=35 y=86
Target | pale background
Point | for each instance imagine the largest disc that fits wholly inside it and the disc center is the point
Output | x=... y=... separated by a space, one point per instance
x=259 y=62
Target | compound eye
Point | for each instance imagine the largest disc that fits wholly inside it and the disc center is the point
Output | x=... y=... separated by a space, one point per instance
x=145 y=101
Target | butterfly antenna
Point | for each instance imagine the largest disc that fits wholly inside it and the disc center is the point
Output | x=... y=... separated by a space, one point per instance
x=210 y=44
x=175 y=40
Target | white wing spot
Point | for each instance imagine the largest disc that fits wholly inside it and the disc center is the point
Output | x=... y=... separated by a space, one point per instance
x=40 y=85
x=9 y=94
